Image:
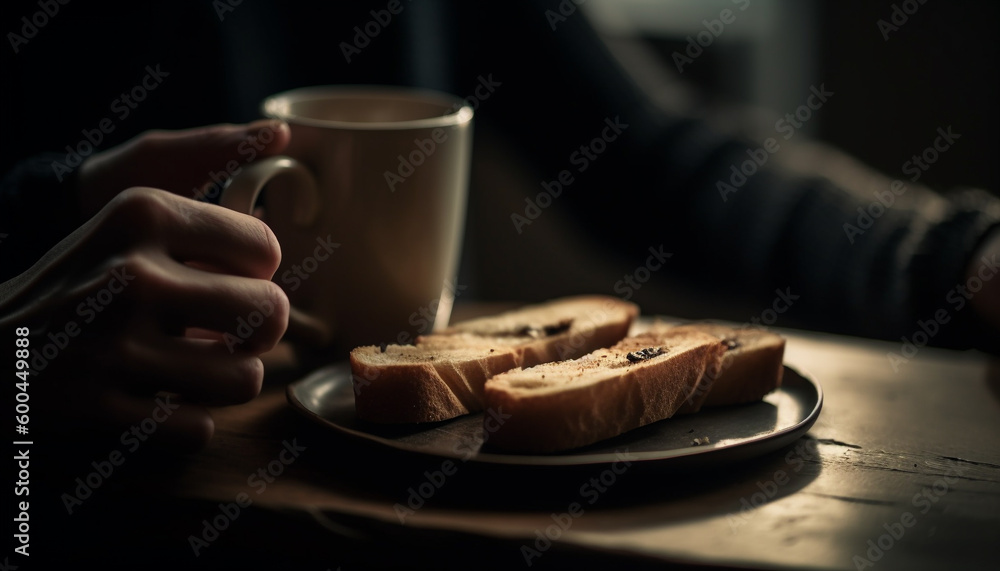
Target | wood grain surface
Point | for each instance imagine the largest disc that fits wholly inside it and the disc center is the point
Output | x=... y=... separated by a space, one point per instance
x=901 y=471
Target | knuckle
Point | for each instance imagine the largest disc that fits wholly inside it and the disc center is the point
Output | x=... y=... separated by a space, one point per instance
x=114 y=280
x=137 y=276
x=147 y=142
x=135 y=263
x=139 y=209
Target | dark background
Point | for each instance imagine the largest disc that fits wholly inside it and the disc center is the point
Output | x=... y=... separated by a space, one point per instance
x=937 y=70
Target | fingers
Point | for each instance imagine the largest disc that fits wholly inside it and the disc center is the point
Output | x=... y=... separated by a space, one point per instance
x=200 y=370
x=196 y=265
x=230 y=241
x=190 y=231
x=252 y=315
x=180 y=162
x=206 y=150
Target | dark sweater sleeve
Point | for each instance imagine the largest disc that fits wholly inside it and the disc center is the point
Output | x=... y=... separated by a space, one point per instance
x=37 y=210
x=782 y=228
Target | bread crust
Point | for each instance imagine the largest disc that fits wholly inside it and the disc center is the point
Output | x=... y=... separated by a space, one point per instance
x=428 y=383
x=749 y=371
x=619 y=396
x=425 y=391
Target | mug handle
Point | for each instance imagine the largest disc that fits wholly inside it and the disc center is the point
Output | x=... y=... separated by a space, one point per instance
x=240 y=194
x=241 y=191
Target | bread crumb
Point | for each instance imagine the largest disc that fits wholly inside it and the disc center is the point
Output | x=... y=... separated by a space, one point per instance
x=700 y=441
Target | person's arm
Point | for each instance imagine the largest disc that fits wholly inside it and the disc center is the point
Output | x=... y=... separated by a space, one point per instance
x=659 y=182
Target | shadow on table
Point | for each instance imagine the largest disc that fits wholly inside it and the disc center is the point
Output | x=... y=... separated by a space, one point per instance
x=134 y=514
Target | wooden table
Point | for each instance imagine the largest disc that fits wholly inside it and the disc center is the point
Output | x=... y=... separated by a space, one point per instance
x=901 y=471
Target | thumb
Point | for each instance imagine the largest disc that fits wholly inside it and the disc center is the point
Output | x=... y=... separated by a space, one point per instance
x=178 y=161
x=213 y=148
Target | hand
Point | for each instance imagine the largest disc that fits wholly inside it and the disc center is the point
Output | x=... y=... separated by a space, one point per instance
x=111 y=309
x=181 y=162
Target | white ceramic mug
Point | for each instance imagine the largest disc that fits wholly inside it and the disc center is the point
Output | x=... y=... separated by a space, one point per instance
x=368 y=205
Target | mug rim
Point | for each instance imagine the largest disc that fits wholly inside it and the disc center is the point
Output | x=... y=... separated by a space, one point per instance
x=462 y=113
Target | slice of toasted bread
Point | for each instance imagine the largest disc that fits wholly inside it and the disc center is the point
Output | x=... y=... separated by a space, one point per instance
x=564 y=405
x=442 y=376
x=407 y=384
x=751 y=366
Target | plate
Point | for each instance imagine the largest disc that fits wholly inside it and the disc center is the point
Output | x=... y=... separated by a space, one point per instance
x=734 y=433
